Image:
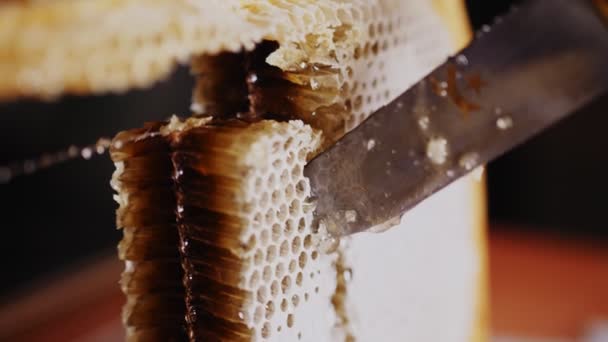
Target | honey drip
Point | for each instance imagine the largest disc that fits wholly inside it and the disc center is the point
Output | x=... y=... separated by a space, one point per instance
x=209 y=233
x=29 y=166
x=338 y=299
x=220 y=84
x=449 y=89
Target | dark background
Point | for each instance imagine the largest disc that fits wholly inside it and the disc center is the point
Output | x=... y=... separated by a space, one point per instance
x=58 y=217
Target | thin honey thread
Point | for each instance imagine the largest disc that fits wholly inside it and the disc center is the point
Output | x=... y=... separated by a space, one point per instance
x=30 y=166
x=338 y=298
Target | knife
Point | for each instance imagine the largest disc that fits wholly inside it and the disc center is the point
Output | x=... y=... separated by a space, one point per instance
x=533 y=67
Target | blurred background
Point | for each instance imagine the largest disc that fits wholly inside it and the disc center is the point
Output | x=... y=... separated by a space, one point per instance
x=548 y=232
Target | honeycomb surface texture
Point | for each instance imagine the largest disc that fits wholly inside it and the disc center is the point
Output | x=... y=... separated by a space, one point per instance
x=64 y=46
x=252 y=268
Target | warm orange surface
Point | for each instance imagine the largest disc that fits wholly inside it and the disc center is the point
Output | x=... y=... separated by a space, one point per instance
x=543 y=286
x=83 y=305
x=540 y=286
x=481 y=328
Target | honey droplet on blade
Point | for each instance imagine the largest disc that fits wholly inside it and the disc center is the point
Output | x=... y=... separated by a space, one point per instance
x=326 y=242
x=469 y=160
x=350 y=216
x=371 y=143
x=437 y=150
x=505 y=122
x=424 y=122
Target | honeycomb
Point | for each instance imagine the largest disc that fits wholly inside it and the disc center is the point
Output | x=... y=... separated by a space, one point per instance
x=402 y=45
x=48 y=48
x=245 y=216
x=360 y=57
x=152 y=279
x=254 y=266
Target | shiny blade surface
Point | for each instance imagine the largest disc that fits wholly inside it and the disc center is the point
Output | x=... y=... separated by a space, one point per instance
x=533 y=67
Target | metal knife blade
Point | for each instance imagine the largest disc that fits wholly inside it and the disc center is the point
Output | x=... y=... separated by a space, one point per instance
x=532 y=68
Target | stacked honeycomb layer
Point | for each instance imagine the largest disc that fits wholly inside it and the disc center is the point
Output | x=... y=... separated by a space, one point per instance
x=152 y=279
x=252 y=265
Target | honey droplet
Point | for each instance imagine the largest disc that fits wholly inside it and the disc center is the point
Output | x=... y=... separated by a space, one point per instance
x=350 y=216
x=424 y=122
x=86 y=153
x=371 y=143
x=437 y=150
x=504 y=122
x=469 y=160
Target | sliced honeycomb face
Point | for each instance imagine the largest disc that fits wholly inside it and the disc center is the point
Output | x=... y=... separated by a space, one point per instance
x=245 y=221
